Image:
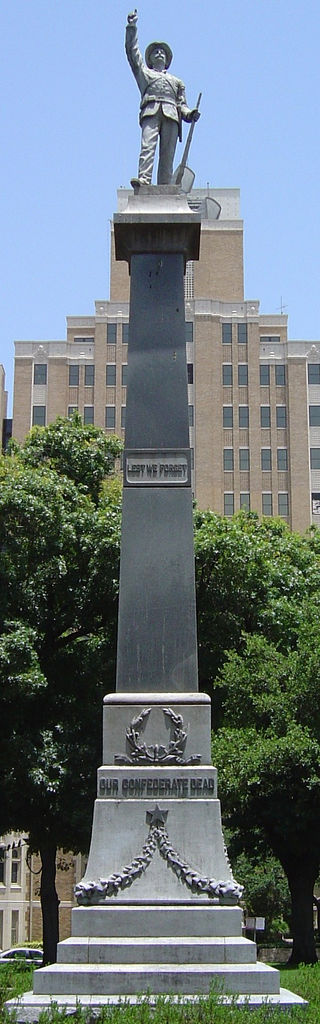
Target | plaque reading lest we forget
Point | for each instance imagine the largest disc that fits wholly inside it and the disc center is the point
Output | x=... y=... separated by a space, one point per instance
x=157 y=468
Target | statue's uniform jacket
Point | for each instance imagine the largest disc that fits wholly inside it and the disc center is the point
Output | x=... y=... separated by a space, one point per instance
x=158 y=88
x=163 y=106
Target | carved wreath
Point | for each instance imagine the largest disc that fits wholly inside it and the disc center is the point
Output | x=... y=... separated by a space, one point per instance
x=141 y=753
x=93 y=893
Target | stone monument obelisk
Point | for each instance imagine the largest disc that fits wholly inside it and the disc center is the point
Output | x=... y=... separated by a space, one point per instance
x=158 y=906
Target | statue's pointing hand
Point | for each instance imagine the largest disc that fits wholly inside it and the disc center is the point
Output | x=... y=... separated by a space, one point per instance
x=133 y=18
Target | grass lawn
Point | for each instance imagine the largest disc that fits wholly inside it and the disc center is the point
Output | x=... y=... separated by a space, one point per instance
x=305 y=981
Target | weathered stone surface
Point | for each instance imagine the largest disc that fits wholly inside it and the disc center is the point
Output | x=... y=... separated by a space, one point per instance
x=120 y=709
x=128 y=979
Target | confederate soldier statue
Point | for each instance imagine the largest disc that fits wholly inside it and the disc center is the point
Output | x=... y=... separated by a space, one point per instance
x=163 y=105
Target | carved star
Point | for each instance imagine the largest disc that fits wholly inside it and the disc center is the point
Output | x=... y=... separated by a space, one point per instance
x=157 y=817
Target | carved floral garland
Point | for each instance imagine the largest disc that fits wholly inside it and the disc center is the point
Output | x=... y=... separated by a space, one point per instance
x=98 y=892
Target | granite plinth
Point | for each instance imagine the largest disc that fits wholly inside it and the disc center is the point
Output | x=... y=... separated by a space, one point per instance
x=121 y=708
x=151 y=920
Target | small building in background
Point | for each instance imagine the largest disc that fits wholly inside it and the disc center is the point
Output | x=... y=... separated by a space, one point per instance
x=20 y=875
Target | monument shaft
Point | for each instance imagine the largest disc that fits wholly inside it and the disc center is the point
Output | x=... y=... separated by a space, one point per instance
x=157 y=644
x=157 y=905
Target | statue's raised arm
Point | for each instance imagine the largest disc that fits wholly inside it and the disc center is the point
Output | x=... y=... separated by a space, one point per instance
x=163 y=105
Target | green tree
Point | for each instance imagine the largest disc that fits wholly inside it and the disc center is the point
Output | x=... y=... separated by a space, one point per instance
x=252 y=576
x=266 y=890
x=268 y=759
x=59 y=564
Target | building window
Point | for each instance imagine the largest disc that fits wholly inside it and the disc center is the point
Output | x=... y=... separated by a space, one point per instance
x=314 y=458
x=264 y=375
x=315 y=499
x=14 y=927
x=243 y=374
x=226 y=334
x=227 y=416
x=39 y=416
x=124 y=375
x=111 y=334
x=111 y=373
x=265 y=417
x=192 y=457
x=227 y=374
x=243 y=415
x=267 y=504
x=40 y=373
x=189 y=280
x=88 y=415
x=281 y=416
x=191 y=415
x=89 y=376
x=228 y=503
x=245 y=500
x=189 y=331
x=270 y=339
x=266 y=464
x=73 y=376
x=16 y=865
x=110 y=417
x=190 y=373
x=84 y=341
x=280 y=375
x=283 y=504
x=282 y=459
x=125 y=334
x=314 y=373
x=123 y=416
x=244 y=460
x=314 y=415
x=2 y=866
x=72 y=409
x=228 y=459
x=242 y=334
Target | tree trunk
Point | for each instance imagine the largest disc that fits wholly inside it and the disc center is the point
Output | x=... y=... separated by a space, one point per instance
x=301 y=880
x=49 y=902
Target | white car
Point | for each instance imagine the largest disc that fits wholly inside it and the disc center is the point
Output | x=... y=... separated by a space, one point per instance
x=22 y=954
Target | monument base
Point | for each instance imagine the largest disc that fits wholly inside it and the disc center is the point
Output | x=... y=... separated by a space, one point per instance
x=158 y=909
x=120 y=952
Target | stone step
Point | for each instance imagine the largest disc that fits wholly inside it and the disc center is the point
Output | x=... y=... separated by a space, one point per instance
x=152 y=919
x=186 y=950
x=127 y=979
x=28 y=1007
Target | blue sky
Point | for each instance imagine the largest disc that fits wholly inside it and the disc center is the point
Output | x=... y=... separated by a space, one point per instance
x=70 y=137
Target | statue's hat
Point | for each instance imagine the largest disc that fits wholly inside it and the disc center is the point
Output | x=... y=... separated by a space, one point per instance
x=154 y=46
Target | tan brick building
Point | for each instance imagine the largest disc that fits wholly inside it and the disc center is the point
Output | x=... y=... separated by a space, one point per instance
x=20 y=910
x=254 y=396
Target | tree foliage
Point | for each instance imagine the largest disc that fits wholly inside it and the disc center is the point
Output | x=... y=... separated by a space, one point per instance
x=266 y=891
x=268 y=757
x=84 y=454
x=252 y=576
x=59 y=565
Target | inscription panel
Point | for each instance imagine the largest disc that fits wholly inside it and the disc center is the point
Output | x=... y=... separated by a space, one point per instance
x=149 y=787
x=157 y=468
